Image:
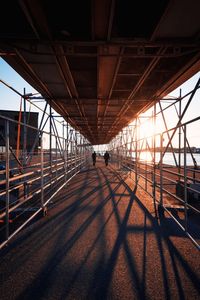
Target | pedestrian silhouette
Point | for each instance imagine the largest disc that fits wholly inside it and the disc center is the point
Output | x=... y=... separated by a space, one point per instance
x=94 y=158
x=106 y=157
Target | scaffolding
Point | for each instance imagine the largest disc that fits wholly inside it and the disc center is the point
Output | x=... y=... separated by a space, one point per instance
x=174 y=186
x=30 y=179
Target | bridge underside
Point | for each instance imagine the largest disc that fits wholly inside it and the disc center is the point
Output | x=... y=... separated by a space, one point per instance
x=100 y=63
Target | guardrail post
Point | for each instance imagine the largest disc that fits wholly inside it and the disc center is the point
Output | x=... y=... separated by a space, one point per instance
x=185 y=179
x=42 y=173
x=7 y=177
x=136 y=151
x=161 y=170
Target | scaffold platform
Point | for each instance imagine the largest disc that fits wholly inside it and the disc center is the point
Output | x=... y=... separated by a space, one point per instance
x=101 y=239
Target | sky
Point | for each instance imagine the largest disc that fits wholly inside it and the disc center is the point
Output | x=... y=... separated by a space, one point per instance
x=193 y=111
x=11 y=101
x=8 y=99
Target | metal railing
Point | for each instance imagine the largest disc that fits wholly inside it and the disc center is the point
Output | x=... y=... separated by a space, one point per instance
x=29 y=182
x=173 y=185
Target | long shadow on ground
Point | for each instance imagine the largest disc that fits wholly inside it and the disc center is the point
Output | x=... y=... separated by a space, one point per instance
x=101 y=242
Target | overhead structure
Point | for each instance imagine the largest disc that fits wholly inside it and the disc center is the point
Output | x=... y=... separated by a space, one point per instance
x=101 y=62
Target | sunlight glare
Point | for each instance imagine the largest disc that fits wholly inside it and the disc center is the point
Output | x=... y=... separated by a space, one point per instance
x=146 y=129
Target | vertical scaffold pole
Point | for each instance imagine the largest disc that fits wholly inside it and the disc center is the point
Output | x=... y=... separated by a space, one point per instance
x=136 y=151
x=67 y=156
x=63 y=135
x=56 y=158
x=42 y=171
x=182 y=115
x=146 y=170
x=185 y=180
x=179 y=138
x=81 y=151
x=161 y=170
x=25 y=131
x=75 y=149
x=7 y=177
x=50 y=140
x=154 y=158
x=24 y=144
x=167 y=132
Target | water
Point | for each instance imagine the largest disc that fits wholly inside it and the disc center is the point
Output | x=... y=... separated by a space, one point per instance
x=169 y=159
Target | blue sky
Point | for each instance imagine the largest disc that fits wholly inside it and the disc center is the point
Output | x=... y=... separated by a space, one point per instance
x=8 y=99
x=11 y=101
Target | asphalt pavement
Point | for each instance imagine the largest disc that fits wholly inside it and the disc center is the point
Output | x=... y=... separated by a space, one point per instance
x=101 y=239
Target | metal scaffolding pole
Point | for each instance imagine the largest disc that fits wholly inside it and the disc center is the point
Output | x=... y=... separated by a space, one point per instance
x=37 y=135
x=7 y=177
x=185 y=182
x=161 y=170
x=166 y=128
x=25 y=131
x=63 y=134
x=183 y=114
x=136 y=150
x=154 y=159
x=67 y=166
x=42 y=171
x=179 y=136
x=172 y=187
x=58 y=143
x=50 y=140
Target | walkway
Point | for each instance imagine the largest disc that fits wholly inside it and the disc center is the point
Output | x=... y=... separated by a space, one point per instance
x=100 y=241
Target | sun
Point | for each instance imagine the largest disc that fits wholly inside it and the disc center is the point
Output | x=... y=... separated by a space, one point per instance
x=146 y=129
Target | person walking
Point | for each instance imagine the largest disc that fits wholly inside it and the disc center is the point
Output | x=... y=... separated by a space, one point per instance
x=106 y=157
x=94 y=158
